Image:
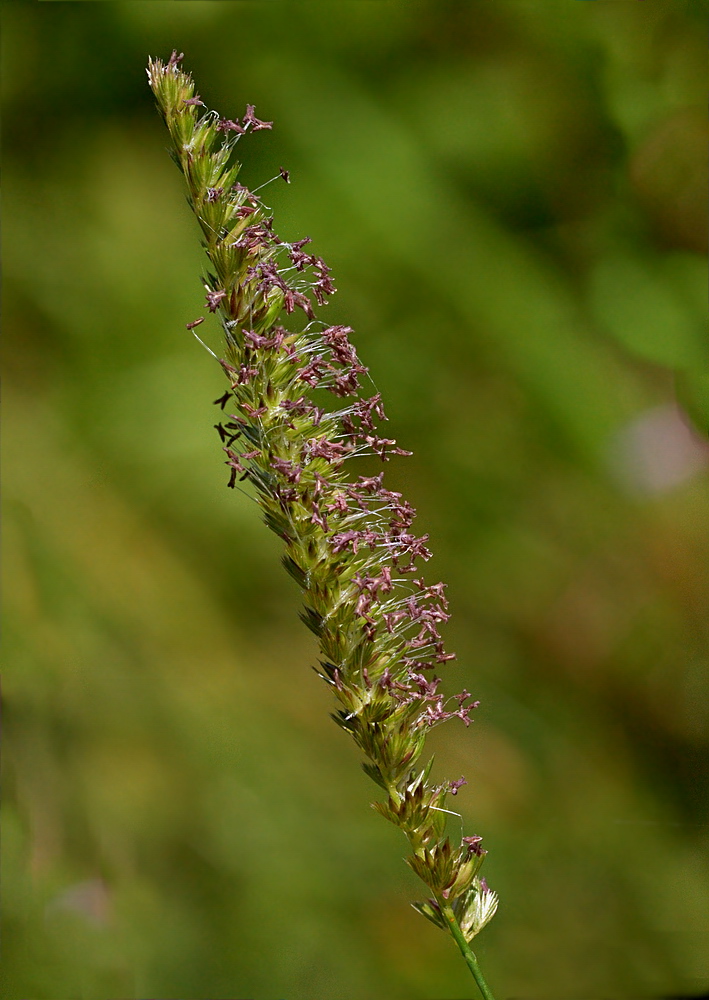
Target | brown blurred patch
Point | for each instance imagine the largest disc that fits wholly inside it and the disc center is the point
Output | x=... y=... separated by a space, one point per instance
x=670 y=176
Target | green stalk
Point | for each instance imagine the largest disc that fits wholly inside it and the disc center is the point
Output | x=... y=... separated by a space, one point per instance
x=466 y=951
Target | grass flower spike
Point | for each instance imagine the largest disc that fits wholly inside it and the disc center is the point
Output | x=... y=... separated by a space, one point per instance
x=349 y=542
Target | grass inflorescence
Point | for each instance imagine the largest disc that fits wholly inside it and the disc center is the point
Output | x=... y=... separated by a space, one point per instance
x=348 y=541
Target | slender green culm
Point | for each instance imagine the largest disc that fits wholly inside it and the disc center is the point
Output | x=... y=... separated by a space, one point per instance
x=348 y=542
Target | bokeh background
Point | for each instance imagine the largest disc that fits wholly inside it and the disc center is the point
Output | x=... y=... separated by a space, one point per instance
x=512 y=197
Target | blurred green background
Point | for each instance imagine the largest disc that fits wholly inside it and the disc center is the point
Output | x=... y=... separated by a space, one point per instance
x=512 y=197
